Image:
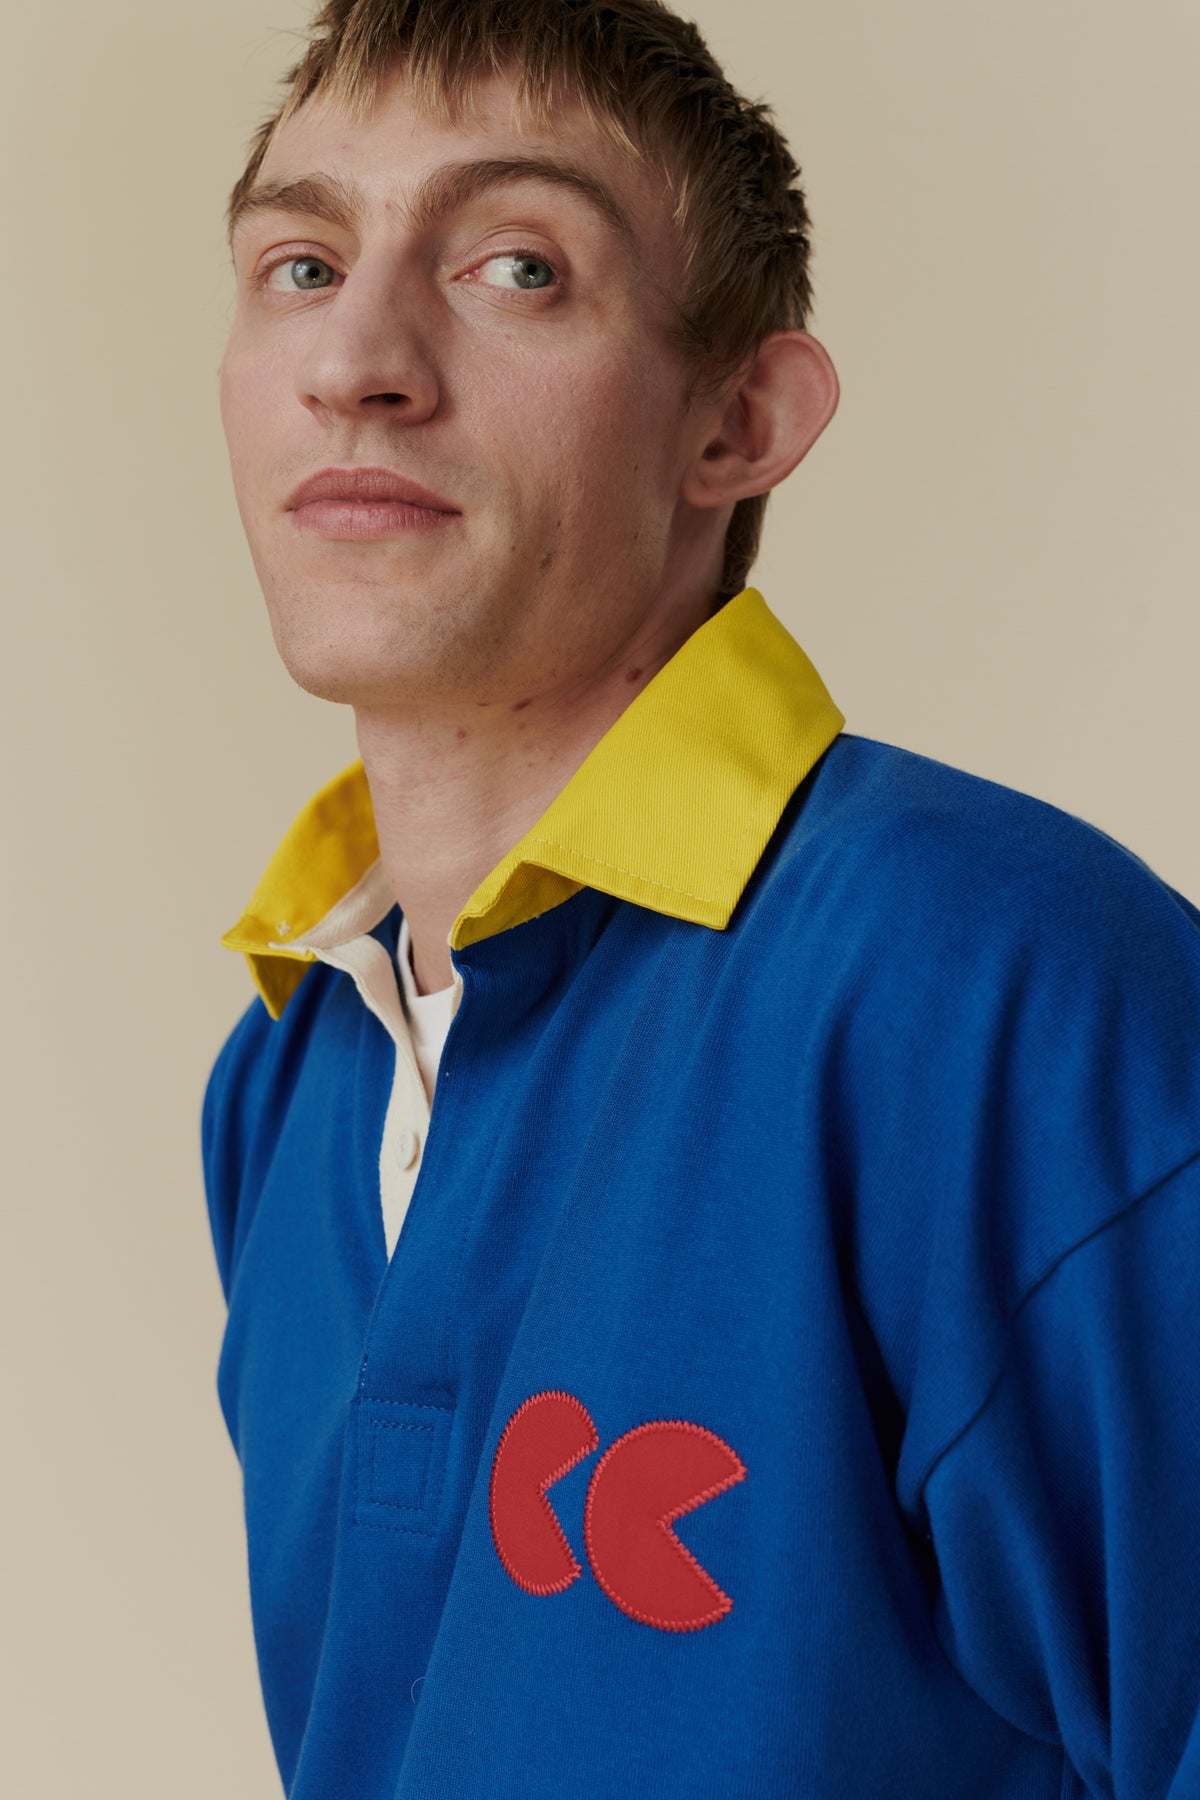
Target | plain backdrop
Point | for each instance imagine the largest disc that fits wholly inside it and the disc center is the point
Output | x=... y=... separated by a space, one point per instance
x=991 y=557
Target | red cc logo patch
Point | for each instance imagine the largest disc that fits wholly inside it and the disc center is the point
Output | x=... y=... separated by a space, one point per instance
x=644 y=1482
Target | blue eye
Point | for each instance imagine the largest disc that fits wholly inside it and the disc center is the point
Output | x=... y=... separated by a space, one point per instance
x=308 y=265
x=522 y=268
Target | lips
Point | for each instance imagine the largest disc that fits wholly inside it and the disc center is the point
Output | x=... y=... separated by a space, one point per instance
x=366 y=487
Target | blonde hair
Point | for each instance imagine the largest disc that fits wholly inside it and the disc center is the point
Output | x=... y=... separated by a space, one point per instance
x=648 y=79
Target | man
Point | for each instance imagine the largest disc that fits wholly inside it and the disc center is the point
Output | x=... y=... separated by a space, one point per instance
x=771 y=1364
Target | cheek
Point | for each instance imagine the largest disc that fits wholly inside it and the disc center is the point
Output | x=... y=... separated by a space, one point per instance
x=587 y=404
x=249 y=397
x=611 y=431
x=237 y=413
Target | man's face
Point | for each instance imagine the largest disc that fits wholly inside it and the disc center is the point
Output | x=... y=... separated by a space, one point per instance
x=502 y=343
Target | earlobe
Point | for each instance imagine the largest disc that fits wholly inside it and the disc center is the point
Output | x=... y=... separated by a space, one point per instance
x=776 y=411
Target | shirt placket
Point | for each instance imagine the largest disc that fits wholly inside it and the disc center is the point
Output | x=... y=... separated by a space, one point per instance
x=406 y=1122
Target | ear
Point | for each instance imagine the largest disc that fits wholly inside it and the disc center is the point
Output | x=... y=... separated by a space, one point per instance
x=774 y=414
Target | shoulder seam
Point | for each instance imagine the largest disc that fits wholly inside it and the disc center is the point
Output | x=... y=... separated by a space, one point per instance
x=1034 y=1286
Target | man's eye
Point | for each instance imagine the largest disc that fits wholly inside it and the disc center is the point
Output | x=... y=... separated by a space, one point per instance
x=518 y=269
x=302 y=274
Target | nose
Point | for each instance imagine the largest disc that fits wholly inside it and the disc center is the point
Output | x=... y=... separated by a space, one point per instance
x=371 y=349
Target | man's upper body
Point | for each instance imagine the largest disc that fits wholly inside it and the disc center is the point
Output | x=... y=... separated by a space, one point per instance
x=769 y=1365
x=812 y=1190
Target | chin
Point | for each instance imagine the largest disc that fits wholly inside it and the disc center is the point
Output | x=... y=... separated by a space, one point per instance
x=331 y=665
x=325 y=684
x=350 y=680
x=342 y=649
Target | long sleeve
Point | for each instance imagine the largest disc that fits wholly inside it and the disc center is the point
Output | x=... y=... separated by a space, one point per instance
x=1066 y=1515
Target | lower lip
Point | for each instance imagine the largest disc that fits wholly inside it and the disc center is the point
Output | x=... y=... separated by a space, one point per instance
x=368 y=519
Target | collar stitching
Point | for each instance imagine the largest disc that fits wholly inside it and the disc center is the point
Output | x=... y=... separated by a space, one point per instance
x=635 y=874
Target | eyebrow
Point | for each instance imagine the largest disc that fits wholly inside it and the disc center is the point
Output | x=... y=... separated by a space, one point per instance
x=339 y=200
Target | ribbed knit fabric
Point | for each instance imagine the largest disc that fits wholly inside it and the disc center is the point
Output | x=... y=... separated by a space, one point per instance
x=852 y=1251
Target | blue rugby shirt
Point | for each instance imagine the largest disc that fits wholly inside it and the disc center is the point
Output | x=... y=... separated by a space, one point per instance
x=787 y=1379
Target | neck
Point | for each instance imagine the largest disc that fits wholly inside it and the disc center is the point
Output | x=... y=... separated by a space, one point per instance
x=455 y=785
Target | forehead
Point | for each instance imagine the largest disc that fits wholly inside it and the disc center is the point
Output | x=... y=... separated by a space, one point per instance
x=386 y=155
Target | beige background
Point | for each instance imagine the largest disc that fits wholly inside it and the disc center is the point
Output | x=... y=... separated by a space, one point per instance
x=991 y=557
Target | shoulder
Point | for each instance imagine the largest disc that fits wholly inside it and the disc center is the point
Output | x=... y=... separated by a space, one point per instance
x=246 y=1096
x=260 y=1059
x=242 y=1060
x=930 y=849
x=987 y=962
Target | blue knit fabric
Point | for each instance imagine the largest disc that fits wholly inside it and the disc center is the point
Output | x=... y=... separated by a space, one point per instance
x=893 y=1185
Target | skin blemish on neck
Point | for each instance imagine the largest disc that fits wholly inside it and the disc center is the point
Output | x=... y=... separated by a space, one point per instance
x=633 y=674
x=520 y=705
x=461 y=733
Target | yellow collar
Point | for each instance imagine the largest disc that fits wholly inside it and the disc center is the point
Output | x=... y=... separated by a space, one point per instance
x=671 y=810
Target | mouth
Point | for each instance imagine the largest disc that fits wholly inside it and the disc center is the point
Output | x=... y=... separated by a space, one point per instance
x=360 y=502
x=368 y=519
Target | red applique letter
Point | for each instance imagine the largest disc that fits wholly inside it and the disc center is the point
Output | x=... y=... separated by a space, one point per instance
x=547 y=1435
x=642 y=1483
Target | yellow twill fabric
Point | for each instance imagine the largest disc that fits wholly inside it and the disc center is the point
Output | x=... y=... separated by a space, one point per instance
x=672 y=809
x=674 y=806
x=326 y=852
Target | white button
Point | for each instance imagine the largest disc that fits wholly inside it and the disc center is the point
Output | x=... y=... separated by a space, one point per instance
x=407 y=1145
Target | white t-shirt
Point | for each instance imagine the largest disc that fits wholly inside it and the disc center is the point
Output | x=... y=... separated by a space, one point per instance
x=428 y=1015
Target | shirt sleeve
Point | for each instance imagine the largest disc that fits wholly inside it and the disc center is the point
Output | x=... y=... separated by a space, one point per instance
x=1065 y=1516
